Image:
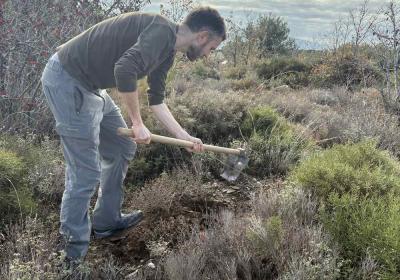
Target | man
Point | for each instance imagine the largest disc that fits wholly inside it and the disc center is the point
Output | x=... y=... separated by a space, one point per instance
x=115 y=53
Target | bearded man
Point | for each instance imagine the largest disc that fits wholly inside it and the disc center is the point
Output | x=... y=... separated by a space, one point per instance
x=115 y=53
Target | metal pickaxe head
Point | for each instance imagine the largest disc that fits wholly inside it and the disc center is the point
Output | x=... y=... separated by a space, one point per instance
x=234 y=165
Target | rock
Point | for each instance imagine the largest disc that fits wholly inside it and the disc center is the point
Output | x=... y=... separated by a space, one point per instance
x=281 y=88
x=151 y=265
x=131 y=275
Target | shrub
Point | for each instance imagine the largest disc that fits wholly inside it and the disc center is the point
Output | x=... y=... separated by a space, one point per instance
x=235 y=73
x=11 y=167
x=214 y=117
x=243 y=84
x=367 y=227
x=359 y=169
x=266 y=236
x=219 y=252
x=263 y=120
x=15 y=197
x=274 y=143
x=151 y=160
x=290 y=71
x=345 y=70
x=44 y=164
x=203 y=71
x=358 y=186
x=283 y=232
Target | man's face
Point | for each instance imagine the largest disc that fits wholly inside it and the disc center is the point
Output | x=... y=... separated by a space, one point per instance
x=202 y=46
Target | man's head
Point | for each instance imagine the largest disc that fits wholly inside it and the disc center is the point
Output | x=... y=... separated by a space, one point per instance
x=209 y=29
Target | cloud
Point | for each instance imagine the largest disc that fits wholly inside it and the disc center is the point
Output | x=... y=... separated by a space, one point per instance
x=307 y=20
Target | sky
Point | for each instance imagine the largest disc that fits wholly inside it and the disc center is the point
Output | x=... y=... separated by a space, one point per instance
x=308 y=21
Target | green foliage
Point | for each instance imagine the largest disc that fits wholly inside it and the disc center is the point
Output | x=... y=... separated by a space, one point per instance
x=290 y=71
x=214 y=117
x=367 y=227
x=262 y=120
x=243 y=84
x=15 y=197
x=275 y=144
x=273 y=35
x=37 y=175
x=151 y=160
x=266 y=236
x=360 y=169
x=345 y=69
x=11 y=167
x=235 y=73
x=358 y=186
x=203 y=71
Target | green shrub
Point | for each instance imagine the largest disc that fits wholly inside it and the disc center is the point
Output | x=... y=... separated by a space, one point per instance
x=235 y=73
x=274 y=143
x=360 y=169
x=345 y=69
x=11 y=167
x=367 y=227
x=15 y=198
x=203 y=71
x=266 y=236
x=358 y=186
x=214 y=117
x=243 y=84
x=263 y=120
x=39 y=184
x=290 y=71
x=151 y=160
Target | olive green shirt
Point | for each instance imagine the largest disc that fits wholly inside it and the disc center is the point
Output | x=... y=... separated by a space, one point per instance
x=118 y=51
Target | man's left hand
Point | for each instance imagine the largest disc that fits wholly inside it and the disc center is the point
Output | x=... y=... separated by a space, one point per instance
x=198 y=146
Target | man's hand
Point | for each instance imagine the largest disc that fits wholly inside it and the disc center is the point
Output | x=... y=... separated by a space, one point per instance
x=142 y=134
x=197 y=143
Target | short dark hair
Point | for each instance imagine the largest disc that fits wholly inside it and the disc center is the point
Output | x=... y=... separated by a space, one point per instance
x=206 y=18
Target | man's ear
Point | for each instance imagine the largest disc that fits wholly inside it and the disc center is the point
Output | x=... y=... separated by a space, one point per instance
x=203 y=36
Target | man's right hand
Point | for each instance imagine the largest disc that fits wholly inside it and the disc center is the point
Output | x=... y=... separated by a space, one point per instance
x=142 y=134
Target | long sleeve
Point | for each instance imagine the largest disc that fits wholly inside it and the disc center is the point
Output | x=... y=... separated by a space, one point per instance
x=157 y=81
x=153 y=44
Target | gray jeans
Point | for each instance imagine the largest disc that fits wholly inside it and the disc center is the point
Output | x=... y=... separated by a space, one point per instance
x=87 y=122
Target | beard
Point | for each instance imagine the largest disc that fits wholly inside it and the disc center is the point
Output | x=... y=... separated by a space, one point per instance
x=194 y=52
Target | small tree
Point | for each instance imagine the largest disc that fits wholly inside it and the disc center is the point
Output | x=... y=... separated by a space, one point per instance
x=234 y=47
x=273 y=36
x=258 y=37
x=387 y=34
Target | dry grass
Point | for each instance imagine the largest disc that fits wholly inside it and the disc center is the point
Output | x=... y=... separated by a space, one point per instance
x=339 y=116
x=31 y=250
x=280 y=239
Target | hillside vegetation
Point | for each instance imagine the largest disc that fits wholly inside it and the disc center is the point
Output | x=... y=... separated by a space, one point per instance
x=320 y=198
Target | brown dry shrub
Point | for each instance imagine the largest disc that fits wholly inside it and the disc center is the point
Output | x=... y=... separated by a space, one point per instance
x=283 y=230
x=281 y=239
x=338 y=115
x=160 y=196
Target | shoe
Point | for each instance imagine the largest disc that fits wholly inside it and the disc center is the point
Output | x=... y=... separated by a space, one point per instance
x=127 y=221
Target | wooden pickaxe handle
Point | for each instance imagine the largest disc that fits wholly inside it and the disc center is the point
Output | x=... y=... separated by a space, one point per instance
x=178 y=142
